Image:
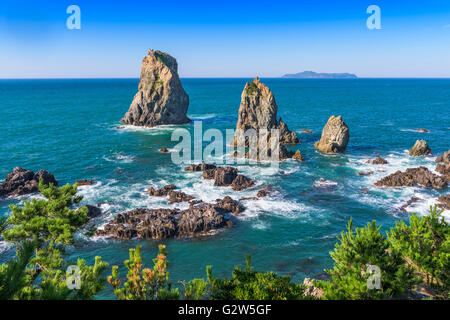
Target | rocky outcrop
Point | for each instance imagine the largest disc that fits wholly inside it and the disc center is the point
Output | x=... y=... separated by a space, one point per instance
x=93 y=211
x=222 y=176
x=161 y=98
x=85 y=182
x=411 y=177
x=200 y=219
x=335 y=136
x=443 y=165
x=377 y=160
x=169 y=190
x=298 y=156
x=23 y=181
x=258 y=111
x=420 y=148
x=444 y=202
x=311 y=290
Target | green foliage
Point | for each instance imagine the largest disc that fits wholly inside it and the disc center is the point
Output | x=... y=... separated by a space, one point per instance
x=47 y=221
x=252 y=285
x=39 y=270
x=13 y=276
x=425 y=244
x=355 y=251
x=251 y=89
x=145 y=284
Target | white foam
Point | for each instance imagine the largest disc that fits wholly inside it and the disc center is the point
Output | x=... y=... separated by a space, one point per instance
x=393 y=199
x=201 y=116
x=157 y=130
x=121 y=158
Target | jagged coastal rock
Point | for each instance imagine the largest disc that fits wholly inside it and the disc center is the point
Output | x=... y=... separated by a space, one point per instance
x=23 y=181
x=161 y=98
x=420 y=148
x=200 y=219
x=443 y=165
x=335 y=136
x=444 y=202
x=411 y=177
x=258 y=110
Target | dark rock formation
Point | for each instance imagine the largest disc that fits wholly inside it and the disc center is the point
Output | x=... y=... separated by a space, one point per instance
x=443 y=165
x=200 y=219
x=228 y=176
x=411 y=177
x=200 y=167
x=85 y=182
x=174 y=196
x=23 y=181
x=161 y=98
x=222 y=176
x=377 y=160
x=420 y=148
x=258 y=111
x=93 y=211
x=335 y=136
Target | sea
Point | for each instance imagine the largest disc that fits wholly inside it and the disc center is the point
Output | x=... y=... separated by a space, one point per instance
x=69 y=127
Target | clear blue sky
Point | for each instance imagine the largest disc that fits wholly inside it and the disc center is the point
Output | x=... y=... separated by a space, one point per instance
x=225 y=38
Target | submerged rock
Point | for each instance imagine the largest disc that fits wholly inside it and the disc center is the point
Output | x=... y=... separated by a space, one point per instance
x=93 y=211
x=258 y=111
x=411 y=201
x=420 y=148
x=161 y=98
x=335 y=136
x=85 y=182
x=411 y=177
x=22 y=181
x=377 y=160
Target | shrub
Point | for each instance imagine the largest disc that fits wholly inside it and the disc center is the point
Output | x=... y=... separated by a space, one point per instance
x=425 y=244
x=145 y=284
x=248 y=284
x=358 y=249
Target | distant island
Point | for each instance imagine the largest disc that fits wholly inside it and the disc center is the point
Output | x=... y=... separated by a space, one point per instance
x=315 y=75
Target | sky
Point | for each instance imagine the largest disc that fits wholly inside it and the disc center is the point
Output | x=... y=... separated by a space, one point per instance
x=226 y=38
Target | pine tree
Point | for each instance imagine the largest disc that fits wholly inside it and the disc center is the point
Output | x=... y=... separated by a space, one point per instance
x=50 y=225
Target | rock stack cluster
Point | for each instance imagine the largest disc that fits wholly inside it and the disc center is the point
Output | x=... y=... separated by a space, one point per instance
x=23 y=181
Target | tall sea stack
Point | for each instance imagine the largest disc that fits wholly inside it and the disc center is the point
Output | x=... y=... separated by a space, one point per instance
x=160 y=98
x=258 y=110
x=335 y=136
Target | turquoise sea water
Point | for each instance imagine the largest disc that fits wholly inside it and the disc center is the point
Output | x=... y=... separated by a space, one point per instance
x=68 y=128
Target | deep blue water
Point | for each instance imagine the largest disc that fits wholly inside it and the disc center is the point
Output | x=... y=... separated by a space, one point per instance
x=68 y=128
